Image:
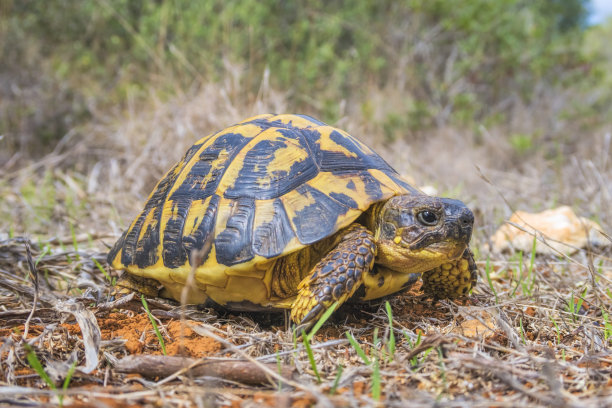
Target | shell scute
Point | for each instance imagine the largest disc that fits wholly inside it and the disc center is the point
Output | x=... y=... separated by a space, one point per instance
x=201 y=232
x=233 y=244
x=348 y=155
x=271 y=166
x=274 y=232
x=261 y=189
x=318 y=218
x=173 y=251
x=141 y=242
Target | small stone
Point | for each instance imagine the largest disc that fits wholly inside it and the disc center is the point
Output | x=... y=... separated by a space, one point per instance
x=477 y=328
x=562 y=229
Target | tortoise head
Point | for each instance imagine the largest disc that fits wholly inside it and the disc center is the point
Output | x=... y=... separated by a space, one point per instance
x=416 y=233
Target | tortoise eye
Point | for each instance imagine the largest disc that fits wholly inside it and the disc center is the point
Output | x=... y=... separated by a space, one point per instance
x=427 y=218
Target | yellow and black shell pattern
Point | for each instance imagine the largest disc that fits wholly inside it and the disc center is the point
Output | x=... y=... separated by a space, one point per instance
x=258 y=190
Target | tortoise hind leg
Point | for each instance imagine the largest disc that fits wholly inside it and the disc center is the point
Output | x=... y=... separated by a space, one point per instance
x=335 y=277
x=129 y=283
x=451 y=279
x=152 y=288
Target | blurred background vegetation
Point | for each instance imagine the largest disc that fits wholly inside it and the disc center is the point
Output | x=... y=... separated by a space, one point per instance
x=532 y=74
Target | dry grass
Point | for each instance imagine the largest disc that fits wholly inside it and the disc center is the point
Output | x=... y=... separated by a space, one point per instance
x=517 y=341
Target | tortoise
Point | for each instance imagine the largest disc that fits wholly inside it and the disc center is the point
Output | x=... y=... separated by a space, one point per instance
x=286 y=212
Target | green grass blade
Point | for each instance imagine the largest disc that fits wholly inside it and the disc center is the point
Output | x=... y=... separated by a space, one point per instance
x=408 y=339
x=520 y=274
x=36 y=365
x=322 y=320
x=313 y=363
x=489 y=280
x=413 y=360
x=157 y=332
x=376 y=380
x=46 y=251
x=442 y=367
x=74 y=242
x=295 y=339
x=357 y=348
x=376 y=341
x=101 y=269
x=580 y=301
x=426 y=352
x=332 y=390
x=531 y=274
x=607 y=325
x=391 y=343
x=571 y=307
x=280 y=370
x=69 y=375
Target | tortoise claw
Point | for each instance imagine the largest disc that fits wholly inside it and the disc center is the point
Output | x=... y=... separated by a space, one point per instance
x=311 y=318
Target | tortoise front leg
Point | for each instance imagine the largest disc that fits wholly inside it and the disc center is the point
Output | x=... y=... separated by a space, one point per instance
x=335 y=277
x=451 y=279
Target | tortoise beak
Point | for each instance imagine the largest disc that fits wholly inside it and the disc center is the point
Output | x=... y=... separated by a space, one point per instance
x=459 y=220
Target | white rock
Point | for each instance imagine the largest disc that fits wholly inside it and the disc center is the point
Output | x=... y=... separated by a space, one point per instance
x=562 y=229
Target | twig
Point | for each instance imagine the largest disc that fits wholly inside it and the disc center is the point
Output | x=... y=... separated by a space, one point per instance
x=34 y=277
x=201 y=330
x=197 y=258
x=429 y=342
x=245 y=372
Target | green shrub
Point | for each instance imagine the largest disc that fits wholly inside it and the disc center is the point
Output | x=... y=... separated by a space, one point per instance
x=451 y=61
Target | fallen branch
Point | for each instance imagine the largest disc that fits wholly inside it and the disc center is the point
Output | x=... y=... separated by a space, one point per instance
x=431 y=341
x=244 y=372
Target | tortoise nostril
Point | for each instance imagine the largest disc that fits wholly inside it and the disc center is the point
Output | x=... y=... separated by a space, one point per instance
x=467 y=218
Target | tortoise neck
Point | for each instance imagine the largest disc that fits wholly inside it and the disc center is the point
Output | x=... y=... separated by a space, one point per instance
x=371 y=218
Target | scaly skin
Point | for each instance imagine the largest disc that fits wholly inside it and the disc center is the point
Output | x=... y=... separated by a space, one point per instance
x=128 y=283
x=451 y=279
x=336 y=276
x=385 y=255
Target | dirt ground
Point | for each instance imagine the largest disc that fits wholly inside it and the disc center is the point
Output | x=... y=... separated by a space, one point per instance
x=501 y=348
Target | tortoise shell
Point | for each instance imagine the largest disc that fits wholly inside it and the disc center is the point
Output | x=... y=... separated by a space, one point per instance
x=256 y=191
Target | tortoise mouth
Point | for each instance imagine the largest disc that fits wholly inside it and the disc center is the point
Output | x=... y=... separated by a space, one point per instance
x=453 y=244
x=451 y=249
x=406 y=259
